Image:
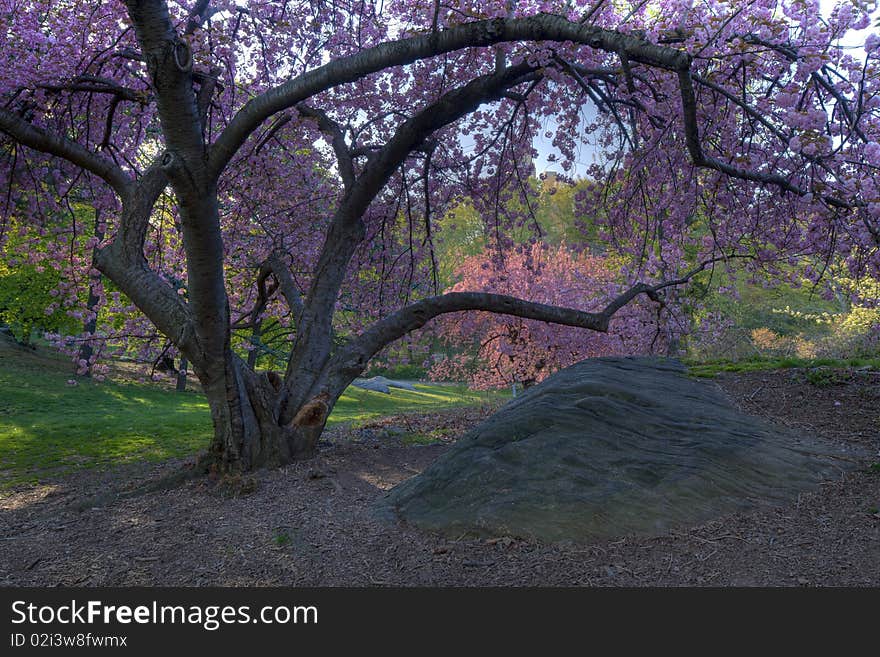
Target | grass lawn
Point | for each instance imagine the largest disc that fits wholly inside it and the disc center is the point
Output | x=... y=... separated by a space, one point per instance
x=711 y=368
x=49 y=427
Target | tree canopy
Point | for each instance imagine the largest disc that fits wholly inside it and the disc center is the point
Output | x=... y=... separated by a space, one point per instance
x=292 y=159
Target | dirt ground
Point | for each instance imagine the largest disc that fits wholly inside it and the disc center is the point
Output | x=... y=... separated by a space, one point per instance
x=311 y=523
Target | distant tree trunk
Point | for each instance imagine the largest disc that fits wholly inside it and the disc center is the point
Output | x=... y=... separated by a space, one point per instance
x=673 y=337
x=87 y=350
x=181 y=375
x=410 y=355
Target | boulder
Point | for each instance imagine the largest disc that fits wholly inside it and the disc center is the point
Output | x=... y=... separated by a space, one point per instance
x=610 y=447
x=381 y=384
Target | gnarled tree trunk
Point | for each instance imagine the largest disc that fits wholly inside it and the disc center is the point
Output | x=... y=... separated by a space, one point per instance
x=249 y=431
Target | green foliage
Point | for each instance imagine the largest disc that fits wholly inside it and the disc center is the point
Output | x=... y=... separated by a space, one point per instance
x=281 y=538
x=711 y=368
x=852 y=329
x=788 y=321
x=272 y=345
x=26 y=289
x=823 y=378
x=430 y=438
x=462 y=231
x=555 y=213
x=781 y=308
x=24 y=297
x=461 y=234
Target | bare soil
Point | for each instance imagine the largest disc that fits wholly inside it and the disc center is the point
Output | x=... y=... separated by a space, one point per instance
x=311 y=523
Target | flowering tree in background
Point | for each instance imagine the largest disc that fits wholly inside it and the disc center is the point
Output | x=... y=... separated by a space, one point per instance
x=506 y=349
x=291 y=158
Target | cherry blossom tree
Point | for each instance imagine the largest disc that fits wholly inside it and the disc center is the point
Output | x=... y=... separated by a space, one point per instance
x=500 y=350
x=292 y=158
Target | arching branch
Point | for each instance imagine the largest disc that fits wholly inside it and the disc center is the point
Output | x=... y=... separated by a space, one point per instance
x=311 y=349
x=51 y=143
x=700 y=159
x=353 y=357
x=123 y=262
x=351 y=360
x=412 y=133
x=542 y=27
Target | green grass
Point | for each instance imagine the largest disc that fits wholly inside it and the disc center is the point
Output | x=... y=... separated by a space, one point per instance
x=429 y=438
x=711 y=368
x=358 y=405
x=49 y=428
x=281 y=538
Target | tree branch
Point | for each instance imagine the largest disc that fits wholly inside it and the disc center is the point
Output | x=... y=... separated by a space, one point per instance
x=200 y=12
x=542 y=27
x=333 y=131
x=411 y=134
x=700 y=159
x=136 y=211
x=97 y=84
x=169 y=64
x=751 y=111
x=44 y=141
x=209 y=84
x=123 y=262
x=792 y=55
x=311 y=350
x=353 y=357
x=275 y=265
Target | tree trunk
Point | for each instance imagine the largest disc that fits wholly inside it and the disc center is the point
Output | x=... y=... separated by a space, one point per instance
x=181 y=375
x=247 y=431
x=86 y=351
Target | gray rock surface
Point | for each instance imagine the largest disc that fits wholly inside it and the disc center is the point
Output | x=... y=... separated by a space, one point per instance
x=381 y=384
x=609 y=447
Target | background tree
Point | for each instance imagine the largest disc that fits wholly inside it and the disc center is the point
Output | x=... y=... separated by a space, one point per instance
x=500 y=350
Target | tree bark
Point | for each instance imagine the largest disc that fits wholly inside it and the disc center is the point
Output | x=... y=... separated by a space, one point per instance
x=248 y=431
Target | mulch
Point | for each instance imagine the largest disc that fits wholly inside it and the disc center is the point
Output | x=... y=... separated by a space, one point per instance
x=311 y=524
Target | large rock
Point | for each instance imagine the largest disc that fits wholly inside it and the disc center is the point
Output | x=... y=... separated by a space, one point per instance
x=608 y=447
x=381 y=384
